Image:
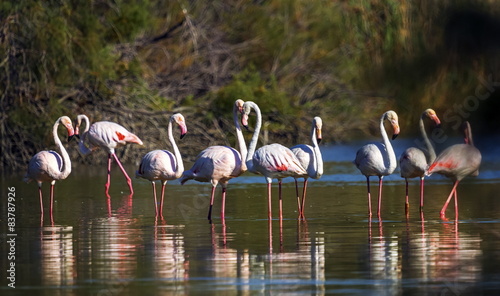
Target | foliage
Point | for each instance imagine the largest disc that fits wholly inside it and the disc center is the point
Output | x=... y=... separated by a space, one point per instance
x=136 y=62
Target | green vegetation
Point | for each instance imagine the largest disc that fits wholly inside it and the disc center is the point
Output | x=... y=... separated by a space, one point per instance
x=136 y=62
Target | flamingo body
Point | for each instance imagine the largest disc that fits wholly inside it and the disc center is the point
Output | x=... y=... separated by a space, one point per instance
x=271 y=161
x=219 y=164
x=457 y=162
x=310 y=158
x=108 y=136
x=163 y=165
x=414 y=161
x=49 y=166
x=378 y=159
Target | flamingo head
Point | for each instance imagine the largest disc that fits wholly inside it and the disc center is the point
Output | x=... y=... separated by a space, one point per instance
x=467 y=133
x=179 y=119
x=431 y=114
x=392 y=117
x=244 y=117
x=238 y=104
x=318 y=125
x=66 y=121
x=78 y=123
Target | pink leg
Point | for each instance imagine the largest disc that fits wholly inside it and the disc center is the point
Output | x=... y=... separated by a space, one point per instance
x=369 y=197
x=407 y=203
x=211 y=203
x=421 y=194
x=162 y=198
x=223 y=208
x=156 y=201
x=443 y=210
x=269 y=214
x=41 y=201
x=108 y=183
x=129 y=181
x=456 y=205
x=303 y=198
x=280 y=201
x=380 y=179
x=51 y=203
x=298 y=197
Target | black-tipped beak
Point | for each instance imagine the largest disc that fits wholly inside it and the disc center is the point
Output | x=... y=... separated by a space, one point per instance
x=182 y=135
x=318 y=140
x=71 y=137
x=394 y=136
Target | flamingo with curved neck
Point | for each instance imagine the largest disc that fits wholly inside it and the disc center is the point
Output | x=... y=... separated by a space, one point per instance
x=49 y=166
x=414 y=161
x=378 y=159
x=272 y=161
x=311 y=159
x=163 y=165
x=219 y=164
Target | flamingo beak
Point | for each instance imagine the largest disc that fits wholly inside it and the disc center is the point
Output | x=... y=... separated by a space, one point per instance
x=395 y=126
x=183 y=130
x=436 y=120
x=244 y=120
x=318 y=135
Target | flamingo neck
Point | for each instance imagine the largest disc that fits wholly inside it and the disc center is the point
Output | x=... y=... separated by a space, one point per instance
x=241 y=139
x=255 y=137
x=66 y=168
x=179 y=169
x=81 y=145
x=317 y=152
x=390 y=162
x=431 y=153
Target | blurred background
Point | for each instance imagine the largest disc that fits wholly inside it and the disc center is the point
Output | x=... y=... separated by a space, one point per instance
x=137 y=62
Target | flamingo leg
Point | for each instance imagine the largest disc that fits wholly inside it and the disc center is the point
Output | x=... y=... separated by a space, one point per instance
x=304 y=198
x=443 y=210
x=156 y=201
x=280 y=201
x=129 y=181
x=380 y=179
x=223 y=208
x=269 y=214
x=162 y=198
x=456 y=205
x=369 y=197
x=41 y=201
x=108 y=183
x=407 y=203
x=52 y=202
x=298 y=198
x=211 y=203
x=421 y=194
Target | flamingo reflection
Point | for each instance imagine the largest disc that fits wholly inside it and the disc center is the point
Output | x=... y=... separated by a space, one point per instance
x=57 y=259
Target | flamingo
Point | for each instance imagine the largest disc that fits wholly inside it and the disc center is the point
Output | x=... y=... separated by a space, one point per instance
x=378 y=159
x=49 y=166
x=310 y=158
x=162 y=164
x=413 y=162
x=272 y=161
x=219 y=164
x=457 y=162
x=107 y=135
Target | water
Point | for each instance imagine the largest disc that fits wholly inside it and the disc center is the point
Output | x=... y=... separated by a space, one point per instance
x=101 y=246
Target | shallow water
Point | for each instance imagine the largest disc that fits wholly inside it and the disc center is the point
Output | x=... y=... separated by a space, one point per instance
x=114 y=246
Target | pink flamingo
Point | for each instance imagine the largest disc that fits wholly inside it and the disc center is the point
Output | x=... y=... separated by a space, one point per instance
x=107 y=135
x=413 y=162
x=378 y=159
x=456 y=162
x=163 y=165
x=49 y=166
x=310 y=158
x=219 y=164
x=272 y=161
